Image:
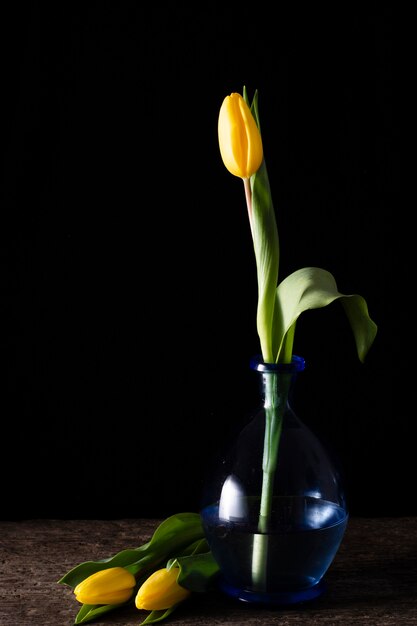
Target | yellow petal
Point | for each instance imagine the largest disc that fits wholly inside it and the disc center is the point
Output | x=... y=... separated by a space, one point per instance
x=239 y=137
x=109 y=586
x=161 y=591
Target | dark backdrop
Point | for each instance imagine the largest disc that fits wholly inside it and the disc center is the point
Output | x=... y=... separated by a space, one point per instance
x=129 y=286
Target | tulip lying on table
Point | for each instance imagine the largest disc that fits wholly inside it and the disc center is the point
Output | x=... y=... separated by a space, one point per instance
x=161 y=590
x=156 y=576
x=114 y=585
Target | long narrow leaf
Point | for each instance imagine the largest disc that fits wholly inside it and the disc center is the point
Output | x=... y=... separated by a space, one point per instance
x=266 y=246
x=158 y=616
x=172 y=535
x=265 y=242
x=89 y=612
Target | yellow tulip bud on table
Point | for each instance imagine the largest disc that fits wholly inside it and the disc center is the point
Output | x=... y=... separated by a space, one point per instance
x=109 y=586
x=138 y=576
x=161 y=591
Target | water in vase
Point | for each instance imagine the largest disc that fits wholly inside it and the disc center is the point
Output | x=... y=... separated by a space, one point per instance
x=303 y=539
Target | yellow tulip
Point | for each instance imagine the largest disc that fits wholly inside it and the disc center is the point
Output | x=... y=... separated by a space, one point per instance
x=108 y=586
x=239 y=137
x=161 y=591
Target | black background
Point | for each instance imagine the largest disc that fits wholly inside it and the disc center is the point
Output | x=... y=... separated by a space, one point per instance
x=128 y=275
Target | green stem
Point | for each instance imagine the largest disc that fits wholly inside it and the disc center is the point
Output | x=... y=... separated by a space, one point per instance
x=248 y=197
x=274 y=405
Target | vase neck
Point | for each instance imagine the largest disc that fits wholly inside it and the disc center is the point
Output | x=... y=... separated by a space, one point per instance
x=277 y=380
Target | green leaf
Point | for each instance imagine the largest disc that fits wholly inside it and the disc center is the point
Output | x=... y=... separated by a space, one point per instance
x=197 y=571
x=197 y=567
x=196 y=547
x=158 y=616
x=171 y=536
x=266 y=245
x=80 y=572
x=313 y=288
x=89 y=612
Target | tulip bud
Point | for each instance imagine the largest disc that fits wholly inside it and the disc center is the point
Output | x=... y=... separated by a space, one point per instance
x=161 y=591
x=239 y=137
x=108 y=586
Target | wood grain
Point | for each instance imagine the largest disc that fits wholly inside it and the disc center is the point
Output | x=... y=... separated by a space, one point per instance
x=372 y=581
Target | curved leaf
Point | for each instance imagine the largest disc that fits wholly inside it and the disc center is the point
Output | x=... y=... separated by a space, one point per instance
x=89 y=612
x=170 y=537
x=314 y=288
x=197 y=571
x=158 y=616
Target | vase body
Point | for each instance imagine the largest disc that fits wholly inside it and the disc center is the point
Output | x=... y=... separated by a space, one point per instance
x=274 y=511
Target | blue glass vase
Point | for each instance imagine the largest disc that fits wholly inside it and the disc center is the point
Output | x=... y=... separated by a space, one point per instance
x=274 y=512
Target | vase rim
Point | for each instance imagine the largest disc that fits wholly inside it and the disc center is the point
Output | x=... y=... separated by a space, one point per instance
x=297 y=365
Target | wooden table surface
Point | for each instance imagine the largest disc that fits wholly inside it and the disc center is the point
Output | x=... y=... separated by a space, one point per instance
x=372 y=581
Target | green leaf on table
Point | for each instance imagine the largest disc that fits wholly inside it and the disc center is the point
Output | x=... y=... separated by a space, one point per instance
x=172 y=535
x=158 y=616
x=197 y=571
x=88 y=612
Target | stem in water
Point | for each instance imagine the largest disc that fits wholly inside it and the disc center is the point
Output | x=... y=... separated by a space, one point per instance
x=274 y=408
